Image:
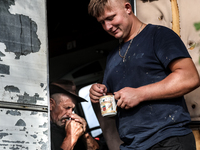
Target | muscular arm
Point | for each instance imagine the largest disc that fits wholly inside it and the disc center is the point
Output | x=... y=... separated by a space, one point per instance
x=183 y=79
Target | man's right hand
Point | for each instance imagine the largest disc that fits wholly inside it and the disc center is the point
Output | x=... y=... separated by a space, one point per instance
x=96 y=91
x=74 y=130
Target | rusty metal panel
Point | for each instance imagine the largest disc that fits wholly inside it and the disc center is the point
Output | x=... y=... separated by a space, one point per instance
x=23 y=51
x=24 y=116
x=23 y=130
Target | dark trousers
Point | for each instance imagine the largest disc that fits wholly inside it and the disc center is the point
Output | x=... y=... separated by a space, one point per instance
x=186 y=142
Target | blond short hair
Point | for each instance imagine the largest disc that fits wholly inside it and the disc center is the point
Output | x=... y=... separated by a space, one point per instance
x=96 y=7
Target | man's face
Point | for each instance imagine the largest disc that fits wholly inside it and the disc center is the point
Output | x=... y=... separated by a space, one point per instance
x=61 y=111
x=115 y=20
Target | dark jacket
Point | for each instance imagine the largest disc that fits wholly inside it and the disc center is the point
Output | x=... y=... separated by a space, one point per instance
x=57 y=137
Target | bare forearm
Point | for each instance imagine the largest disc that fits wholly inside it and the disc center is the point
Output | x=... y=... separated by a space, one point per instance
x=178 y=83
x=90 y=143
x=68 y=144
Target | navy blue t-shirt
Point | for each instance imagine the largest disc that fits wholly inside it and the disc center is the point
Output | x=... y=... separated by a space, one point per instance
x=147 y=62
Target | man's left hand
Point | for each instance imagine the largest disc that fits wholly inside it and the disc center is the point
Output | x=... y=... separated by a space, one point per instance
x=127 y=97
x=80 y=120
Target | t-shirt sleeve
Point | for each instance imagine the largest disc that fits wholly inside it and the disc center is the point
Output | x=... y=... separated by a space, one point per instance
x=169 y=46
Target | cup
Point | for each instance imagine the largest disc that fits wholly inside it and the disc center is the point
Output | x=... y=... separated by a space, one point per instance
x=108 y=106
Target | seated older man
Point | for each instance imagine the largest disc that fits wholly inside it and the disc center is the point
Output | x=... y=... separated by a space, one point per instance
x=68 y=130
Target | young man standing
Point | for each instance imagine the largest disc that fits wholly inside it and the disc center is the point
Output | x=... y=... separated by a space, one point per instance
x=149 y=73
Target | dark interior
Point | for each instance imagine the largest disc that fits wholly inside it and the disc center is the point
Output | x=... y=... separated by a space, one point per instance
x=75 y=39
